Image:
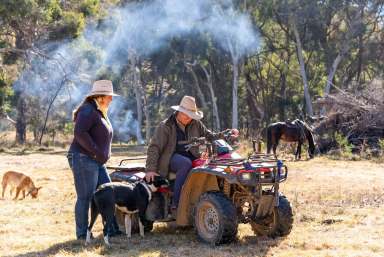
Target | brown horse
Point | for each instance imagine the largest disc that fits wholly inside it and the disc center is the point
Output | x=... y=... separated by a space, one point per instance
x=295 y=131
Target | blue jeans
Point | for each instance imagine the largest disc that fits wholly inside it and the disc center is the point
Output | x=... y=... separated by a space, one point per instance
x=181 y=165
x=88 y=175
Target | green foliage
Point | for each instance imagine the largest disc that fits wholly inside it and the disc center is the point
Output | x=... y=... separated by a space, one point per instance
x=89 y=7
x=70 y=26
x=53 y=11
x=68 y=128
x=381 y=144
x=9 y=58
x=5 y=92
x=343 y=144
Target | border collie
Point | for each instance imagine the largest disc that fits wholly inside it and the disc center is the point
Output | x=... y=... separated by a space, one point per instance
x=129 y=198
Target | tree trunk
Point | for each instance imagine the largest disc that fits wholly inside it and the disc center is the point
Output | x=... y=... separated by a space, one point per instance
x=136 y=83
x=235 y=86
x=147 y=120
x=215 y=110
x=307 y=97
x=49 y=108
x=283 y=95
x=146 y=111
x=360 y=59
x=21 y=124
x=331 y=74
x=354 y=24
x=200 y=94
x=256 y=112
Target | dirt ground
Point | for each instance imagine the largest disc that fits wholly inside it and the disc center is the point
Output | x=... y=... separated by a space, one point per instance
x=338 y=211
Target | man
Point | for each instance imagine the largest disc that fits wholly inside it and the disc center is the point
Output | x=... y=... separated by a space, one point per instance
x=167 y=151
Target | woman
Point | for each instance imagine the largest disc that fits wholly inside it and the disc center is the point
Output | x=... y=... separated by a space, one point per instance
x=91 y=149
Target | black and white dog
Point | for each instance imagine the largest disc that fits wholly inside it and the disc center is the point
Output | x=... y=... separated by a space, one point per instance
x=129 y=198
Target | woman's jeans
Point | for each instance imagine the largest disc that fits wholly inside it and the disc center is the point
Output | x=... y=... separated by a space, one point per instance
x=88 y=175
x=181 y=165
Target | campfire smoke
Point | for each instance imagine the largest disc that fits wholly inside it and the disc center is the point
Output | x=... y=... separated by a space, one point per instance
x=145 y=27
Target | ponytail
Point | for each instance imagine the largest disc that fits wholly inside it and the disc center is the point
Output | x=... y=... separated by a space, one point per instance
x=88 y=99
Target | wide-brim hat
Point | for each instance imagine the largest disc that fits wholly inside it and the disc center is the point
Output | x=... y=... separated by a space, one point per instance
x=188 y=106
x=102 y=87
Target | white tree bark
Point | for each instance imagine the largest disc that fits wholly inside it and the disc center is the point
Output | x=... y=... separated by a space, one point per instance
x=235 y=86
x=136 y=84
x=6 y=117
x=200 y=94
x=215 y=111
x=147 y=120
x=331 y=73
x=307 y=97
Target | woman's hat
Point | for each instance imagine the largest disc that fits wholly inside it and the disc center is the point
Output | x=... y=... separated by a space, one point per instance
x=188 y=106
x=102 y=87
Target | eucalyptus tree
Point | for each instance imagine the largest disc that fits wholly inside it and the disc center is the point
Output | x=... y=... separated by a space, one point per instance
x=25 y=25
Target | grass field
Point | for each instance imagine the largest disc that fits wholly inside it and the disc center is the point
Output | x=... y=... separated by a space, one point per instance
x=338 y=210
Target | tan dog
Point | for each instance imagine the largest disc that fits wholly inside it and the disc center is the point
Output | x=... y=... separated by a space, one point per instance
x=21 y=182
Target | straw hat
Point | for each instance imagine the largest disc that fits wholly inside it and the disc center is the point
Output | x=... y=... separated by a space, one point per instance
x=188 y=106
x=102 y=87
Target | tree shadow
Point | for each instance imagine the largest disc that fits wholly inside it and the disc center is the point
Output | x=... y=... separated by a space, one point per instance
x=258 y=245
x=164 y=241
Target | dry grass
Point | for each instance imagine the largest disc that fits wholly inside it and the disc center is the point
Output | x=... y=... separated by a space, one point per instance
x=338 y=209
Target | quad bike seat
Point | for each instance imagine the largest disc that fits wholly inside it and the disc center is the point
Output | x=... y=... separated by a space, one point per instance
x=128 y=172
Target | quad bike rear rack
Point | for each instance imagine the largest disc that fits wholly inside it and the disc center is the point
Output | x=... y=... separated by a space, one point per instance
x=127 y=171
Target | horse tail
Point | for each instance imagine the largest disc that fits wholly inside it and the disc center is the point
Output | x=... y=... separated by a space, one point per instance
x=310 y=138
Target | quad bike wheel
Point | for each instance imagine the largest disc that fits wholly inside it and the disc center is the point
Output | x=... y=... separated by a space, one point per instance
x=215 y=219
x=279 y=223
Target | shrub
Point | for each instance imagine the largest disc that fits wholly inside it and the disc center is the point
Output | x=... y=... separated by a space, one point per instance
x=381 y=144
x=344 y=146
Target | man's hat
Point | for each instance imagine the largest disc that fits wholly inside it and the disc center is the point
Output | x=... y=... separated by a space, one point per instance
x=188 y=106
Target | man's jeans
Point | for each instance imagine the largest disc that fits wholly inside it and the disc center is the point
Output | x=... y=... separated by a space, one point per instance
x=181 y=165
x=88 y=175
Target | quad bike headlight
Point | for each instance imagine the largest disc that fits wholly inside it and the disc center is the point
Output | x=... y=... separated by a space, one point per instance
x=246 y=176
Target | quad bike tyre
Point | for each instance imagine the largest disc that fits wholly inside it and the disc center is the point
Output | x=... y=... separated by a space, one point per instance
x=279 y=223
x=215 y=219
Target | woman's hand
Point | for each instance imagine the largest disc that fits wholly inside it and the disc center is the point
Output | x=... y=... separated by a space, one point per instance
x=150 y=176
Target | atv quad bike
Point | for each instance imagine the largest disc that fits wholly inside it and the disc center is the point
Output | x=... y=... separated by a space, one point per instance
x=219 y=193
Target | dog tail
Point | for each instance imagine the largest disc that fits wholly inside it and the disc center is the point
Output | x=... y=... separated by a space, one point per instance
x=94 y=213
x=4 y=183
x=4 y=180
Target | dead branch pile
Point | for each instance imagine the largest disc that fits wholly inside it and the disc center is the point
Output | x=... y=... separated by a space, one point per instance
x=359 y=116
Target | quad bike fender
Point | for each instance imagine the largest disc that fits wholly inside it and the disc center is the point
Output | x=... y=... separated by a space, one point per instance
x=195 y=185
x=216 y=171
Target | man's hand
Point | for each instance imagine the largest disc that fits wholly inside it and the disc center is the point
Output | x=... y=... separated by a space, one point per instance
x=150 y=176
x=235 y=133
x=204 y=155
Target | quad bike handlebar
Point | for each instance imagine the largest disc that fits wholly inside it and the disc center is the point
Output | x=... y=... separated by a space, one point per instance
x=229 y=135
x=193 y=142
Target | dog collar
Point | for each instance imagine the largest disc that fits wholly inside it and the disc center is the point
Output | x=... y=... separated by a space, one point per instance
x=148 y=191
